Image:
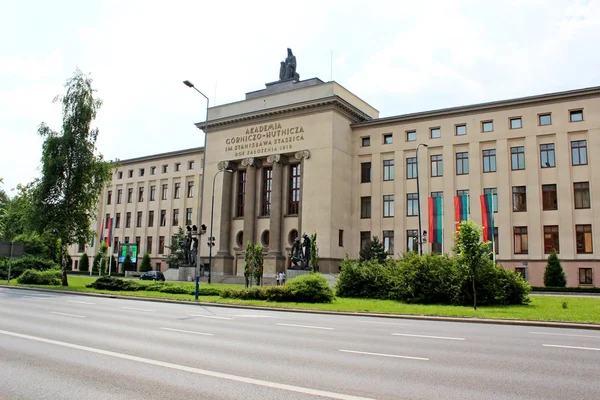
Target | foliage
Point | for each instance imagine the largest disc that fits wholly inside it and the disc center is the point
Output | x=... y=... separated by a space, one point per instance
x=259 y=259
x=84 y=262
x=566 y=289
x=16 y=214
x=127 y=264
x=176 y=257
x=373 y=250
x=365 y=279
x=112 y=283
x=73 y=177
x=44 y=245
x=248 y=262
x=19 y=265
x=554 y=276
x=181 y=289
x=146 y=263
x=96 y=263
x=314 y=252
x=33 y=277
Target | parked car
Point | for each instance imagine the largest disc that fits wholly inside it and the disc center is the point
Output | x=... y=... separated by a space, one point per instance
x=152 y=276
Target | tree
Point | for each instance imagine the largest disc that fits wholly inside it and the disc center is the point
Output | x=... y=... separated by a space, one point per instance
x=373 y=250
x=127 y=264
x=84 y=262
x=16 y=218
x=258 y=256
x=471 y=252
x=146 y=263
x=96 y=263
x=314 y=252
x=248 y=262
x=554 y=276
x=176 y=257
x=73 y=177
x=102 y=256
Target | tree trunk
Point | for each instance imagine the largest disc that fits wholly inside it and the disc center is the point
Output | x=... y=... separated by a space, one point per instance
x=64 y=251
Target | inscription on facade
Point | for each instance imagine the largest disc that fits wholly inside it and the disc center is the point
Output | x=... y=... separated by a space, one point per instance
x=263 y=139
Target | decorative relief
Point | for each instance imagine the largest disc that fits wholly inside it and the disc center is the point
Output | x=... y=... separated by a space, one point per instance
x=304 y=154
x=225 y=164
x=251 y=162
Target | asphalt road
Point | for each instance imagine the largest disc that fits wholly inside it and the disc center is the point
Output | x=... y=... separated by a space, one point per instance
x=57 y=346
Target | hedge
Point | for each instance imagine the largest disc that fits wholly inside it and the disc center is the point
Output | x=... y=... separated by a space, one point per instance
x=33 y=277
x=566 y=289
x=21 y=264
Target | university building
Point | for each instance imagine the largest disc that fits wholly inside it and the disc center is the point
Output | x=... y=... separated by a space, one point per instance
x=310 y=156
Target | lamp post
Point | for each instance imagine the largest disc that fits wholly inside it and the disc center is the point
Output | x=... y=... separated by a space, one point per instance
x=211 y=239
x=199 y=259
x=419 y=198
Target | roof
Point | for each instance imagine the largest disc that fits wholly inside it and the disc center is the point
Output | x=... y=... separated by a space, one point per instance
x=162 y=155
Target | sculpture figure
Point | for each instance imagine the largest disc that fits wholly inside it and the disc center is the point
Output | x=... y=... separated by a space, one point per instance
x=306 y=245
x=296 y=253
x=287 y=70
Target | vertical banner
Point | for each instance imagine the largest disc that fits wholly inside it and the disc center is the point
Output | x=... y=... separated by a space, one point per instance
x=102 y=231
x=108 y=226
x=487 y=217
x=435 y=220
x=461 y=209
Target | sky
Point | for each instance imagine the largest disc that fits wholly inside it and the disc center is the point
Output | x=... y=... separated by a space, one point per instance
x=399 y=56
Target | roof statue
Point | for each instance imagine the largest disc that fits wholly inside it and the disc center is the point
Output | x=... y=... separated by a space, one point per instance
x=288 y=68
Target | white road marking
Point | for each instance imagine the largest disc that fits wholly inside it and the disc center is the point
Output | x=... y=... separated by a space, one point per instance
x=253 y=316
x=208 y=316
x=571 y=347
x=198 y=371
x=427 y=337
x=135 y=309
x=79 y=302
x=384 y=355
x=68 y=315
x=179 y=330
x=306 y=326
x=38 y=297
x=564 y=334
x=383 y=323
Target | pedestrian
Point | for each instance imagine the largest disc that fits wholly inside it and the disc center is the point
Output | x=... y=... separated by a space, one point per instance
x=283 y=278
x=277 y=277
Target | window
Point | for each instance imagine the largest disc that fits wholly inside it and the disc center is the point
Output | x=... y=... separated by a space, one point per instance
x=576 y=116
x=126 y=239
x=129 y=195
x=411 y=168
x=165 y=168
x=175 y=216
x=412 y=242
x=582 y=194
x=190 y=190
x=294 y=190
x=411 y=136
x=437 y=165
x=152 y=193
x=489 y=160
x=519 y=198
x=161 y=245
x=521 y=271
x=549 y=197
x=118 y=220
x=120 y=175
x=388 y=170
x=365 y=238
x=585 y=276
x=388 y=138
x=241 y=193
x=520 y=239
x=188 y=216
x=140 y=194
x=545 y=119
x=551 y=239
x=109 y=197
x=177 y=191
x=365 y=172
x=141 y=172
x=494 y=193
x=81 y=247
x=130 y=173
x=517 y=158
x=163 y=217
x=191 y=164
x=165 y=188
x=465 y=192
x=365 y=207
x=365 y=141
x=128 y=220
x=138 y=222
x=547 y=158
x=267 y=189
x=151 y=218
x=177 y=167
x=462 y=163
x=487 y=126
x=388 y=242
x=516 y=123
x=388 y=205
x=579 y=152
x=583 y=237
x=149 y=244
x=341 y=238
x=461 y=130
x=412 y=205
x=119 y=196
x=152 y=170
x=115 y=245
x=435 y=133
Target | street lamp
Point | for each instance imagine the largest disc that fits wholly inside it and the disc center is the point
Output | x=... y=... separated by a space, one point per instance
x=199 y=259
x=211 y=239
x=419 y=199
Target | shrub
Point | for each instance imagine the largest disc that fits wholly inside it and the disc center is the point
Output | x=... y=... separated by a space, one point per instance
x=554 y=276
x=177 y=289
x=19 y=265
x=96 y=264
x=146 y=263
x=111 y=283
x=277 y=293
x=33 y=277
x=310 y=288
x=84 y=262
x=127 y=264
x=365 y=279
x=373 y=250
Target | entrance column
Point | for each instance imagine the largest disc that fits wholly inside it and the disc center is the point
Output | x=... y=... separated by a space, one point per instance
x=223 y=260
x=274 y=260
x=251 y=165
x=301 y=155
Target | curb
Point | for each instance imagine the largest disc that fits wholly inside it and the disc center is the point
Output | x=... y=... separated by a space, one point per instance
x=546 y=324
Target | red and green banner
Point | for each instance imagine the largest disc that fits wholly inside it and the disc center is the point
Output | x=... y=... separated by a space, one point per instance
x=435 y=220
x=487 y=216
x=461 y=209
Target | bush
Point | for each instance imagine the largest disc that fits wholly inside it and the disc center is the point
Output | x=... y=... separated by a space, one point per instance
x=84 y=262
x=310 y=288
x=111 y=283
x=127 y=264
x=146 y=263
x=19 y=265
x=373 y=250
x=554 y=275
x=366 y=279
x=277 y=293
x=177 y=289
x=33 y=277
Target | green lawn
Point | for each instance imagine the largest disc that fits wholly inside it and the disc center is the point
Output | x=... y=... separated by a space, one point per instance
x=542 y=308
